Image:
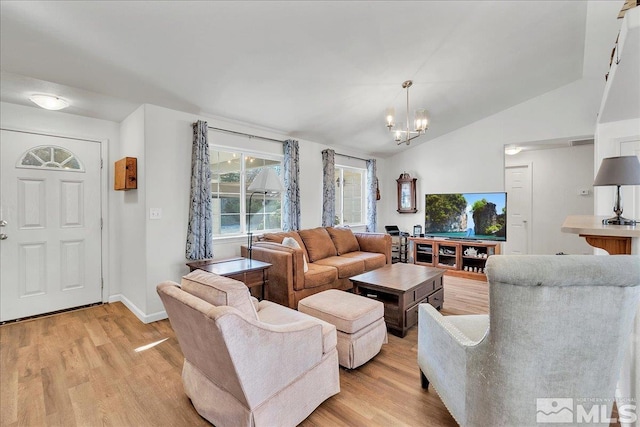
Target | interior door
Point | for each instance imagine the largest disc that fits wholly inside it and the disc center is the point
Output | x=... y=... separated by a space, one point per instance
x=518 y=187
x=50 y=252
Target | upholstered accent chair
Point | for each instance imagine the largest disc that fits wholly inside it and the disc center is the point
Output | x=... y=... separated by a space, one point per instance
x=558 y=328
x=248 y=363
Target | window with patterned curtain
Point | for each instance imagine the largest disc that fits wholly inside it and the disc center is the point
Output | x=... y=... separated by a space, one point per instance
x=350 y=196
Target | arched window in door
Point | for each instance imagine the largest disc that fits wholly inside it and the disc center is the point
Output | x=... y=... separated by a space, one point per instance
x=50 y=157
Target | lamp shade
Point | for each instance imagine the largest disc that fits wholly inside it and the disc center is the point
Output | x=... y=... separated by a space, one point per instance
x=267 y=181
x=623 y=170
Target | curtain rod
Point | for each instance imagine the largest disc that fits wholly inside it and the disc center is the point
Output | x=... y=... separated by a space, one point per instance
x=350 y=157
x=274 y=140
x=244 y=134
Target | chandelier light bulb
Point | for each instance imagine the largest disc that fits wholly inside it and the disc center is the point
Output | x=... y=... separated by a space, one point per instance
x=391 y=112
x=421 y=120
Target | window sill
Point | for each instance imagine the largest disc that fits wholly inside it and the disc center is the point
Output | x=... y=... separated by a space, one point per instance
x=363 y=226
x=230 y=238
x=242 y=237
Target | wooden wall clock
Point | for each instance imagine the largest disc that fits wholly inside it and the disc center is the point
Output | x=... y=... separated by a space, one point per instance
x=406 y=194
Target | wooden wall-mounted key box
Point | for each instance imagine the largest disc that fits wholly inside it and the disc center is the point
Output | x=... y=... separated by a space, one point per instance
x=126 y=174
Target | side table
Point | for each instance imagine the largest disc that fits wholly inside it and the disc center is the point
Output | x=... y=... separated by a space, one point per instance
x=251 y=272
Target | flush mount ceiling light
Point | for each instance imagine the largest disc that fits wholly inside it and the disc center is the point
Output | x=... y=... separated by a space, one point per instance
x=420 y=123
x=49 y=102
x=512 y=150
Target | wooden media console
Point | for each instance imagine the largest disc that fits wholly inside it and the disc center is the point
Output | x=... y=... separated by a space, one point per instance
x=462 y=258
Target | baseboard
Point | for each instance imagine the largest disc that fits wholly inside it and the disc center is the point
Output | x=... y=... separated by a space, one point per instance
x=144 y=318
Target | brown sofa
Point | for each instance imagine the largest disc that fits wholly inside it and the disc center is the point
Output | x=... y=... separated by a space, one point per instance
x=333 y=254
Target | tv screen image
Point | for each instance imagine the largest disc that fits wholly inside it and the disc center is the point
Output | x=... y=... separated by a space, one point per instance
x=469 y=216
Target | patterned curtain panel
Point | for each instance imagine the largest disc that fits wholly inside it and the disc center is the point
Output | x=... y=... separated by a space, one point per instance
x=291 y=207
x=200 y=228
x=328 y=187
x=372 y=215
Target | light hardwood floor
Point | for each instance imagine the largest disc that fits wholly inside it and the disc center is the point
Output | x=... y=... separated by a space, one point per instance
x=82 y=369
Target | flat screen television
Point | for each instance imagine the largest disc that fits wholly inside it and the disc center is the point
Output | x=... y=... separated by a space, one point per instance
x=468 y=216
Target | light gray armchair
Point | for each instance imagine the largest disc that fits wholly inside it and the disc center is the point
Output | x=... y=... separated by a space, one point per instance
x=558 y=327
x=248 y=363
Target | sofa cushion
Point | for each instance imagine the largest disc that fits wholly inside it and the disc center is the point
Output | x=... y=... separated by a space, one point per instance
x=275 y=314
x=319 y=275
x=376 y=243
x=279 y=237
x=219 y=290
x=293 y=243
x=343 y=239
x=347 y=267
x=371 y=260
x=318 y=243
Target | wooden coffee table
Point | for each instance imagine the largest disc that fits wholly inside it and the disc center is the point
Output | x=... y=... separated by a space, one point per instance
x=401 y=287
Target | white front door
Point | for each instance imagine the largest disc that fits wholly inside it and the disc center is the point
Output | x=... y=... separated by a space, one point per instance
x=50 y=252
x=518 y=187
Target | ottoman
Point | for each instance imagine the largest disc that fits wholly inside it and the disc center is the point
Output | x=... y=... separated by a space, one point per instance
x=359 y=322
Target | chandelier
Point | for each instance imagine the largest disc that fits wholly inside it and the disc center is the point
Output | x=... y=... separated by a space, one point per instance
x=420 y=122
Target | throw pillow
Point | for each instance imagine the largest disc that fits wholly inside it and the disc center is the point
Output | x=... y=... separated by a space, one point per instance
x=292 y=243
x=279 y=237
x=344 y=240
x=318 y=243
x=219 y=290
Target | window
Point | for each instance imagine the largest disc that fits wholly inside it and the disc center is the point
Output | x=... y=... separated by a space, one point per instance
x=231 y=174
x=50 y=157
x=350 y=199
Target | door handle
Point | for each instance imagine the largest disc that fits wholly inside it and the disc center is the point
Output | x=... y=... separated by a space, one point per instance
x=3 y=223
x=3 y=237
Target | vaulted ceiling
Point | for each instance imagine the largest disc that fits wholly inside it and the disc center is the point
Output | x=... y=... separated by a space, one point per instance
x=321 y=71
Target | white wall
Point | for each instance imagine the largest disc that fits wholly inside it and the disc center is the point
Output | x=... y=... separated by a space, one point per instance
x=62 y=124
x=557 y=175
x=130 y=208
x=470 y=159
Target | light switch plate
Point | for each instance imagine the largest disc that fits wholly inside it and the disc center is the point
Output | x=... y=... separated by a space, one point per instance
x=155 y=213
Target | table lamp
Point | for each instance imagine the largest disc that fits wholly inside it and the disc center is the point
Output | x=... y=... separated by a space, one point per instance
x=267 y=181
x=618 y=171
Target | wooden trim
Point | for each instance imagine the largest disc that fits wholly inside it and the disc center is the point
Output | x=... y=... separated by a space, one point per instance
x=614 y=245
